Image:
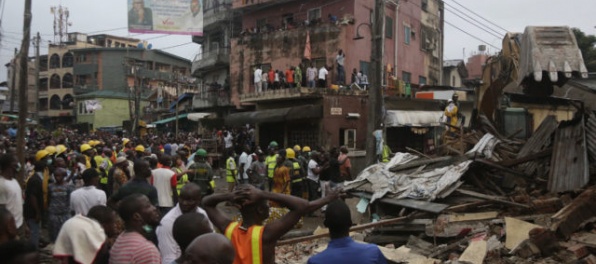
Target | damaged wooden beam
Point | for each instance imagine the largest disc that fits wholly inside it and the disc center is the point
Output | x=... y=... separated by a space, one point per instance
x=499 y=167
x=531 y=157
x=582 y=208
x=491 y=198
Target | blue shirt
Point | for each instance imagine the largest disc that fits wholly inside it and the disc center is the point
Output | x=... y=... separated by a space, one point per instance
x=346 y=251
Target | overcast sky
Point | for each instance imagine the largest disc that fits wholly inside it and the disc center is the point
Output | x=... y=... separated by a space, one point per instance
x=109 y=17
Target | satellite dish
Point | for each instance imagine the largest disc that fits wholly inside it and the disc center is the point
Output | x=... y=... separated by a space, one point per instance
x=140 y=45
x=149 y=46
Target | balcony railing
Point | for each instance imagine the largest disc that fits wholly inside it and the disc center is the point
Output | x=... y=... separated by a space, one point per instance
x=83 y=89
x=211 y=59
x=211 y=98
x=216 y=14
x=292 y=93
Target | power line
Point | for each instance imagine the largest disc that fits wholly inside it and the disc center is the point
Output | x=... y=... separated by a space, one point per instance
x=106 y=30
x=446 y=22
x=480 y=16
x=478 y=24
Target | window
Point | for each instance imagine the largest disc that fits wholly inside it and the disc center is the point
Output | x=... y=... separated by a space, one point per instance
x=67 y=81
x=424 y=5
x=83 y=109
x=67 y=60
x=55 y=81
x=314 y=14
x=453 y=81
x=261 y=23
x=406 y=77
x=54 y=61
x=67 y=101
x=421 y=80
x=407 y=34
x=388 y=27
x=55 y=102
x=348 y=138
x=287 y=19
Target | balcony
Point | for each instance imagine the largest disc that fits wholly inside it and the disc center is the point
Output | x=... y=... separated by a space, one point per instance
x=210 y=60
x=217 y=14
x=150 y=74
x=294 y=93
x=83 y=89
x=256 y=3
x=211 y=98
x=85 y=69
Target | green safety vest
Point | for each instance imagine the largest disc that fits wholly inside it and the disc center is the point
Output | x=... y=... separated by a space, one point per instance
x=271 y=161
x=104 y=176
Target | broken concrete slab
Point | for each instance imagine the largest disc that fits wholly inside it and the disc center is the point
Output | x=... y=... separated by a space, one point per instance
x=474 y=253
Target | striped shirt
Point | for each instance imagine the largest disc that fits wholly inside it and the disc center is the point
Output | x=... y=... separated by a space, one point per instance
x=132 y=247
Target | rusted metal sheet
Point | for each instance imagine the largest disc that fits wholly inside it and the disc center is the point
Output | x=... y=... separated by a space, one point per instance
x=591 y=136
x=569 y=162
x=536 y=143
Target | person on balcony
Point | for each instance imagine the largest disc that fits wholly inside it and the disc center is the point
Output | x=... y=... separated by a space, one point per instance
x=323 y=77
x=311 y=73
x=341 y=72
x=290 y=77
x=270 y=78
x=257 y=78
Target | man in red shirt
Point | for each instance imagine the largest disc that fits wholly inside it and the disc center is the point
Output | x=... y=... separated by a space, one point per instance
x=290 y=77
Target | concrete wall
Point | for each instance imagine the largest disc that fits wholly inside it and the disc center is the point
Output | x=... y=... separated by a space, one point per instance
x=332 y=124
x=410 y=58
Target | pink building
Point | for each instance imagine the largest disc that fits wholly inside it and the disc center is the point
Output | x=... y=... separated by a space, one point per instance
x=275 y=32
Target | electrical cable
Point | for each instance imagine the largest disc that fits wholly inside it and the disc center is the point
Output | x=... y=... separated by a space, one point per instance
x=478 y=24
x=480 y=16
x=485 y=42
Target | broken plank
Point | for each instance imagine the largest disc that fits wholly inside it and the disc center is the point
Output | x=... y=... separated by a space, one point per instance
x=588 y=239
x=499 y=167
x=490 y=198
x=537 y=155
x=418 y=163
x=409 y=203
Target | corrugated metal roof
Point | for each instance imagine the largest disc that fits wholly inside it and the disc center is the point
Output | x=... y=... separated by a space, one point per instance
x=401 y=118
x=569 y=162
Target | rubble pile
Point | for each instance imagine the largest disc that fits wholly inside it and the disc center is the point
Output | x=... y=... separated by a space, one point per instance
x=500 y=200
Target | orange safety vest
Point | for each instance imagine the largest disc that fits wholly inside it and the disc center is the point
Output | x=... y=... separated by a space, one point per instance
x=248 y=243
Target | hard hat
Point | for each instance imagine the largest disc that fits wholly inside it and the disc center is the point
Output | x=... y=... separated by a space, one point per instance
x=85 y=147
x=273 y=144
x=51 y=149
x=140 y=148
x=60 y=149
x=297 y=147
x=290 y=154
x=306 y=149
x=92 y=143
x=41 y=154
x=201 y=153
x=125 y=141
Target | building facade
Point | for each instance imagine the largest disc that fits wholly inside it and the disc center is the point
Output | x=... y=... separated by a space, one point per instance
x=126 y=75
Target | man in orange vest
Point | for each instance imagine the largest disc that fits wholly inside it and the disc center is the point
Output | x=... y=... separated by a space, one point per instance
x=255 y=243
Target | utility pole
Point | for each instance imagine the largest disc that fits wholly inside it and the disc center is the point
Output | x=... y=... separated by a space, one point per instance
x=23 y=87
x=13 y=81
x=375 y=98
x=177 y=99
x=37 y=42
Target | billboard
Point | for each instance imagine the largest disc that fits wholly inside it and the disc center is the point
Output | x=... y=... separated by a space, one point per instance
x=183 y=17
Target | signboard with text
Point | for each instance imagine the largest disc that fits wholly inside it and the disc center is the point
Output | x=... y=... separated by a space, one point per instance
x=183 y=17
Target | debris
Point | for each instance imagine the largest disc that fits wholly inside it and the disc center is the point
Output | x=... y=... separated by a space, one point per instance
x=517 y=231
x=475 y=253
x=568 y=219
x=491 y=198
x=569 y=164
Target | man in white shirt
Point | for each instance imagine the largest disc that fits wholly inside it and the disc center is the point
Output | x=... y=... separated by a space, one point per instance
x=323 y=77
x=11 y=194
x=243 y=165
x=165 y=181
x=258 y=79
x=311 y=74
x=312 y=176
x=82 y=199
x=190 y=199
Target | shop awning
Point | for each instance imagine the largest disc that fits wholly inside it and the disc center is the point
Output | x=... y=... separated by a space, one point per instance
x=197 y=116
x=170 y=119
x=275 y=115
x=402 y=118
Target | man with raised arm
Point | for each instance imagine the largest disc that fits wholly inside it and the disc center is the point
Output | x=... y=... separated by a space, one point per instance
x=255 y=243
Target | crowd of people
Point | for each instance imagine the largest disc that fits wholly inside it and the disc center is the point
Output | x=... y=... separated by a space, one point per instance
x=107 y=199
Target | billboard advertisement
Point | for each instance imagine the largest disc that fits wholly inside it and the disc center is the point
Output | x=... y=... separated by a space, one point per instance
x=183 y=17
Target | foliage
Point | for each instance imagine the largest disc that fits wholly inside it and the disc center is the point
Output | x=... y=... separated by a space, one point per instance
x=587 y=45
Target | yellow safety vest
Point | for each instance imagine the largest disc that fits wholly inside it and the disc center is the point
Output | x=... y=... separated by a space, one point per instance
x=271 y=161
x=296 y=177
x=230 y=173
x=183 y=180
x=104 y=177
